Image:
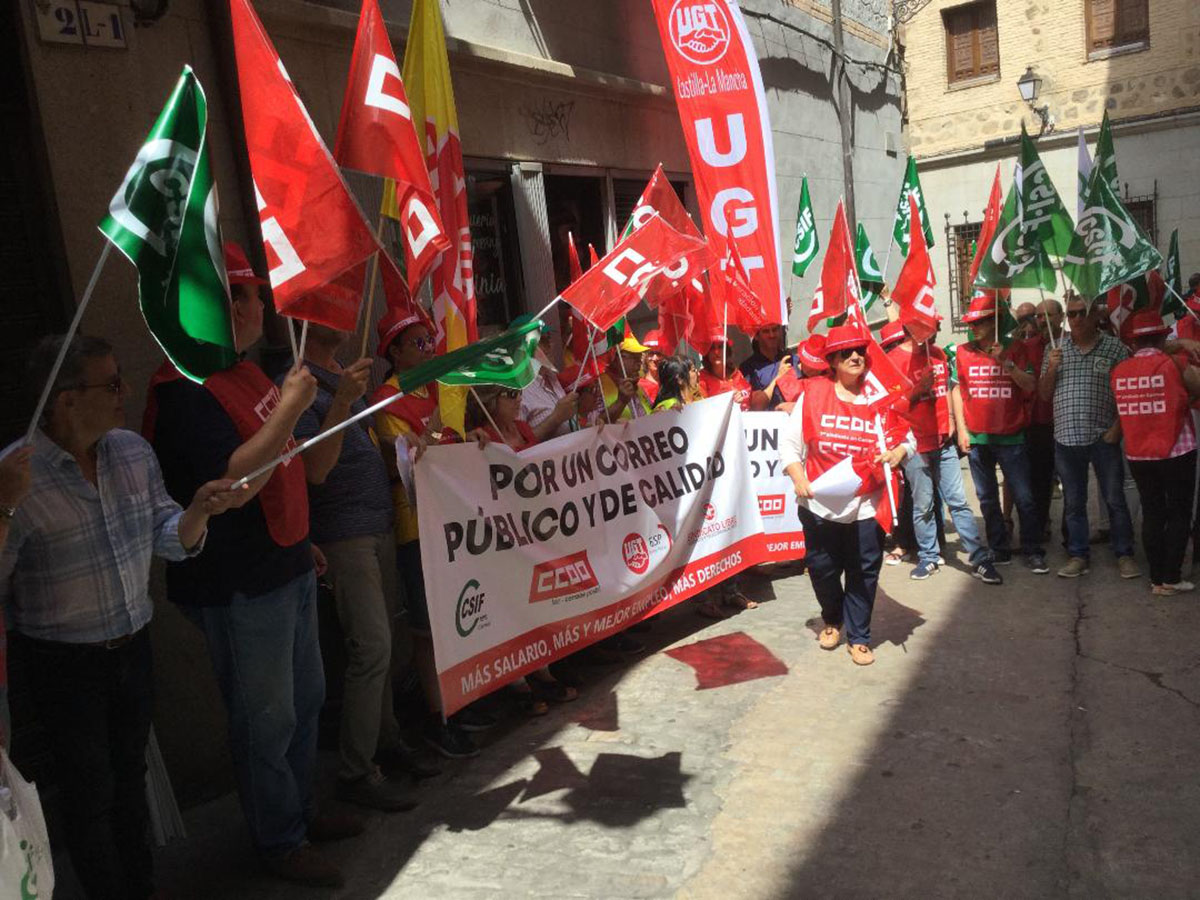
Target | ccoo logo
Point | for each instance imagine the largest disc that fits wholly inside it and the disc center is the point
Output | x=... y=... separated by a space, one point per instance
x=635 y=553
x=699 y=31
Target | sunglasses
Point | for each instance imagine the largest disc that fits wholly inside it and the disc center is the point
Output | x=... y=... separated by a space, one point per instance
x=1077 y=313
x=510 y=393
x=116 y=386
x=422 y=343
x=851 y=351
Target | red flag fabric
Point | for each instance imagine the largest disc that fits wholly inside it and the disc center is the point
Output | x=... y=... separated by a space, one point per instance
x=626 y=275
x=376 y=135
x=395 y=290
x=573 y=259
x=311 y=226
x=839 y=290
x=745 y=310
x=914 y=286
x=660 y=197
x=580 y=330
x=987 y=230
x=723 y=109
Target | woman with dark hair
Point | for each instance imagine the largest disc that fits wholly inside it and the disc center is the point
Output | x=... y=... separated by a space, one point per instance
x=833 y=421
x=677 y=381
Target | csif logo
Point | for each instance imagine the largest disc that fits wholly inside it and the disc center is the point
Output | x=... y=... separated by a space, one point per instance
x=699 y=31
x=562 y=577
x=635 y=553
x=468 y=614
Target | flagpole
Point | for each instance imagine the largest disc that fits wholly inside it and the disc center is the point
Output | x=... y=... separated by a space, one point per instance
x=303 y=341
x=485 y=412
x=371 y=289
x=1046 y=316
x=887 y=469
x=287 y=321
x=583 y=366
x=624 y=374
x=887 y=260
x=546 y=308
x=725 y=343
x=62 y=351
x=1175 y=294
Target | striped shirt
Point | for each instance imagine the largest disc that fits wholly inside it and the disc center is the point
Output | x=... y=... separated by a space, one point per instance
x=76 y=566
x=1084 y=405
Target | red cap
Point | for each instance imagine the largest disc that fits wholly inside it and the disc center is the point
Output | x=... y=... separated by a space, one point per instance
x=891 y=333
x=843 y=337
x=1145 y=323
x=237 y=266
x=982 y=306
x=653 y=340
x=812 y=354
x=394 y=321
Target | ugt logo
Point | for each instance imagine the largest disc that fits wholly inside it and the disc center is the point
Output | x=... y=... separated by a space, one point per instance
x=468 y=614
x=699 y=31
x=635 y=553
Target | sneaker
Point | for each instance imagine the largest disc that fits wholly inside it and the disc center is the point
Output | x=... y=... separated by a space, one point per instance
x=861 y=655
x=986 y=572
x=1075 y=567
x=376 y=791
x=1036 y=563
x=472 y=719
x=1180 y=587
x=335 y=826
x=941 y=560
x=1128 y=568
x=305 y=865
x=1002 y=557
x=923 y=571
x=450 y=740
x=829 y=637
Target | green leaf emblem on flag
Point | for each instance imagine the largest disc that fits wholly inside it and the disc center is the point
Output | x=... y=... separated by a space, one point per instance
x=1014 y=259
x=164 y=219
x=808 y=244
x=911 y=185
x=507 y=361
x=1108 y=248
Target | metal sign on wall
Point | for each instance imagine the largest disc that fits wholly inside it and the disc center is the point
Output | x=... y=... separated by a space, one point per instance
x=80 y=22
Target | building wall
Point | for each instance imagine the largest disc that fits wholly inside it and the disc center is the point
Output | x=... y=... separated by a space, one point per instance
x=1051 y=37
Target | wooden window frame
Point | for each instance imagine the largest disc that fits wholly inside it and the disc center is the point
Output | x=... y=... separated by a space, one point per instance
x=1120 y=43
x=979 y=74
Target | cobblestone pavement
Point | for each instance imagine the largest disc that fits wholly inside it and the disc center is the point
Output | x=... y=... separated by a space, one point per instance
x=1033 y=740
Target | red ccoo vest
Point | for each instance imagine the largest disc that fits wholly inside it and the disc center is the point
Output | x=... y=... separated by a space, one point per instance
x=1152 y=403
x=835 y=428
x=992 y=402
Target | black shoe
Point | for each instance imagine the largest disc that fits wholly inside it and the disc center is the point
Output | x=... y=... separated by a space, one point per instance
x=1002 y=558
x=403 y=760
x=473 y=720
x=986 y=572
x=1036 y=563
x=623 y=643
x=376 y=791
x=450 y=740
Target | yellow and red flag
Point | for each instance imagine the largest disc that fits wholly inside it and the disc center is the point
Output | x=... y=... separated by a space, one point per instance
x=426 y=75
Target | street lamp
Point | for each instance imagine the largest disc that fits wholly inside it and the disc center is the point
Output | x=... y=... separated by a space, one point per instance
x=1030 y=85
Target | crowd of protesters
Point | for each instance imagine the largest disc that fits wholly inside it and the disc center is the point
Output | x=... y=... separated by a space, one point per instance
x=85 y=508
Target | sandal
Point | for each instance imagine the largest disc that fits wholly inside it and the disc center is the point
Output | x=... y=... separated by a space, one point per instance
x=894 y=557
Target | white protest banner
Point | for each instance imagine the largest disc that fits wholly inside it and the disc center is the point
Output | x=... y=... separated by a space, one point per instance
x=776 y=495
x=529 y=557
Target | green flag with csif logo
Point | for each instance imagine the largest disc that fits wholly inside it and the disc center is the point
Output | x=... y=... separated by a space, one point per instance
x=164 y=219
x=1015 y=258
x=869 y=275
x=507 y=360
x=808 y=244
x=1108 y=248
x=911 y=185
x=1044 y=217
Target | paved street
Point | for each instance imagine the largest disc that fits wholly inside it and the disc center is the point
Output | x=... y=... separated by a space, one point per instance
x=1033 y=740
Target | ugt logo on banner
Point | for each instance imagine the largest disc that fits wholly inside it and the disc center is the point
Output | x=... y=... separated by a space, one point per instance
x=700 y=31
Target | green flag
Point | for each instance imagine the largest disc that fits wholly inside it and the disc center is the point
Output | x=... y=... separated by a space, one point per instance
x=508 y=361
x=869 y=274
x=911 y=185
x=164 y=219
x=1045 y=218
x=1012 y=260
x=807 y=243
x=1104 y=165
x=1109 y=248
x=1006 y=324
x=1173 y=270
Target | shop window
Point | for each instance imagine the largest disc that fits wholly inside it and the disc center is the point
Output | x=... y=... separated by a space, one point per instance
x=1117 y=24
x=499 y=290
x=972 y=42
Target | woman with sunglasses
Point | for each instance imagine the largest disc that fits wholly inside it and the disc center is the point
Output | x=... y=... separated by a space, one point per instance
x=833 y=421
x=493 y=415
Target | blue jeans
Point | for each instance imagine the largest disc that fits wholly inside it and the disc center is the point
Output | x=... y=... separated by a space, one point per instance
x=943 y=467
x=267 y=661
x=853 y=550
x=1072 y=466
x=1013 y=460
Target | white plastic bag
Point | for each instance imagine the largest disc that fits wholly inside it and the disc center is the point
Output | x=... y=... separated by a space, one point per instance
x=26 y=867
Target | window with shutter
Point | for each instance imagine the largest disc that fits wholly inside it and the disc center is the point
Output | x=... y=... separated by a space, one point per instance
x=1117 y=23
x=972 y=41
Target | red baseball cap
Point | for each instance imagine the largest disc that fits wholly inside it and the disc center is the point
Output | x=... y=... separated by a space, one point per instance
x=237 y=266
x=394 y=321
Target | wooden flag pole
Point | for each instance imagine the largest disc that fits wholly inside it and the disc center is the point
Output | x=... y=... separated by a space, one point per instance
x=1175 y=294
x=485 y=412
x=62 y=351
x=370 y=306
x=291 y=333
x=303 y=341
x=887 y=469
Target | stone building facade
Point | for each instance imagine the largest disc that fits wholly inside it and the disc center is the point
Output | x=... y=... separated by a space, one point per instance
x=1142 y=66
x=564 y=112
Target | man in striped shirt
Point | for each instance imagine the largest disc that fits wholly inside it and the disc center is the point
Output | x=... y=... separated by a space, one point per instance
x=74 y=576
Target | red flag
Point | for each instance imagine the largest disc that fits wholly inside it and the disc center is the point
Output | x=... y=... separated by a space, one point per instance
x=376 y=135
x=313 y=230
x=573 y=259
x=580 y=330
x=914 y=286
x=987 y=230
x=744 y=308
x=838 y=290
x=660 y=197
x=626 y=275
x=396 y=291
